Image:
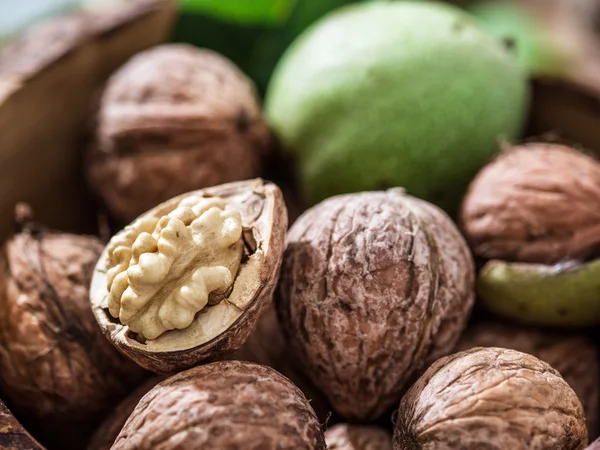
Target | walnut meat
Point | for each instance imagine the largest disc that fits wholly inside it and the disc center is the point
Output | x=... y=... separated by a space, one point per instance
x=574 y=356
x=224 y=405
x=187 y=280
x=535 y=203
x=356 y=437
x=490 y=398
x=174 y=119
x=57 y=368
x=373 y=287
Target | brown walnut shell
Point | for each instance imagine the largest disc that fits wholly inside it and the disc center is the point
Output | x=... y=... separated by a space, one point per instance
x=490 y=398
x=373 y=287
x=356 y=437
x=268 y=347
x=264 y=220
x=574 y=356
x=12 y=434
x=536 y=203
x=174 y=119
x=224 y=405
x=57 y=367
x=106 y=434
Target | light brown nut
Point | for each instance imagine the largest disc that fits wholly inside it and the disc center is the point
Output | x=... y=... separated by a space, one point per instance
x=106 y=434
x=224 y=405
x=373 y=287
x=356 y=437
x=574 y=356
x=167 y=290
x=490 y=398
x=534 y=203
x=57 y=367
x=174 y=119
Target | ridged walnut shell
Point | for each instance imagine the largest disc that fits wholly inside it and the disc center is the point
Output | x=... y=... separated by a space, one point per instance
x=356 y=437
x=57 y=368
x=106 y=434
x=264 y=221
x=490 y=398
x=224 y=405
x=173 y=119
x=373 y=287
x=574 y=356
x=12 y=434
x=535 y=203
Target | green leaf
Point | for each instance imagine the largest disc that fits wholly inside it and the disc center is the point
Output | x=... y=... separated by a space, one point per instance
x=247 y=12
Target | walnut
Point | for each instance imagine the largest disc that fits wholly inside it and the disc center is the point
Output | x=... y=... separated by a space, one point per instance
x=173 y=119
x=490 y=398
x=57 y=367
x=573 y=355
x=187 y=280
x=356 y=437
x=537 y=203
x=373 y=287
x=105 y=435
x=223 y=405
x=12 y=434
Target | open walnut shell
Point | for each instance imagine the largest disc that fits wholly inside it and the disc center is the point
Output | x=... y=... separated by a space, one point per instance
x=187 y=281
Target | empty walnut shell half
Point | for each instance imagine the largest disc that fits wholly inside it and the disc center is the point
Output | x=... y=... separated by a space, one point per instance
x=173 y=119
x=356 y=437
x=187 y=280
x=58 y=370
x=537 y=203
x=490 y=398
x=224 y=405
x=374 y=287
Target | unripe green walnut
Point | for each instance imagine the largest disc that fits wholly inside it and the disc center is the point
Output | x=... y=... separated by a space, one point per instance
x=385 y=94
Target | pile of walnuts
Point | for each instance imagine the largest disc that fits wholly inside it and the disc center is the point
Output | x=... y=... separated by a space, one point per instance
x=207 y=322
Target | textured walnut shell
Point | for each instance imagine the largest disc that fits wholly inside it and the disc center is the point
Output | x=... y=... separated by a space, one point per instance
x=268 y=347
x=57 y=367
x=174 y=119
x=373 y=286
x=535 y=203
x=12 y=434
x=574 y=356
x=264 y=219
x=490 y=398
x=106 y=434
x=356 y=437
x=224 y=405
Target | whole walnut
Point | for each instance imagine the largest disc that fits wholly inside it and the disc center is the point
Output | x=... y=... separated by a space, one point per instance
x=536 y=203
x=174 y=119
x=223 y=405
x=490 y=398
x=574 y=356
x=105 y=435
x=356 y=437
x=373 y=287
x=58 y=370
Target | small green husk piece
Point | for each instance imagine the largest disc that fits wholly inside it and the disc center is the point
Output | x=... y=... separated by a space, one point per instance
x=566 y=294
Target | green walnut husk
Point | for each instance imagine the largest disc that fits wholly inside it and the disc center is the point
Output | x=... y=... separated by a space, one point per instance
x=565 y=294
